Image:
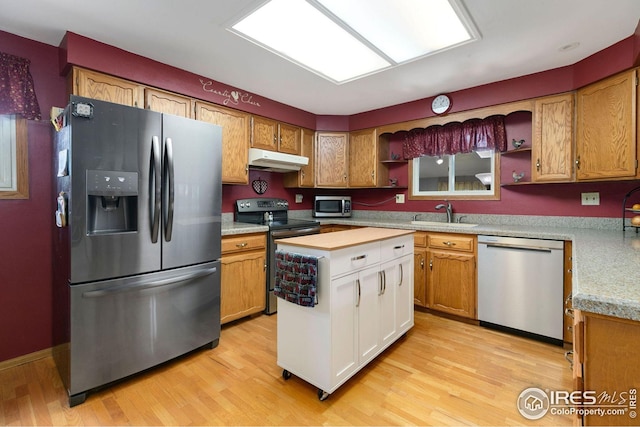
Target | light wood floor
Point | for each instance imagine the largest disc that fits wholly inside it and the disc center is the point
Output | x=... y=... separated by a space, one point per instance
x=442 y=373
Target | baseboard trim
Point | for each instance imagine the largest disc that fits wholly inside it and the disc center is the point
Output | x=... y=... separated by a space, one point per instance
x=21 y=360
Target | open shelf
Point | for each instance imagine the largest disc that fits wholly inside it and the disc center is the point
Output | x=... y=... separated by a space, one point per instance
x=516 y=151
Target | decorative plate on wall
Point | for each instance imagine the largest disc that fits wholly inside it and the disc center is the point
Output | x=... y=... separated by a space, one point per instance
x=260 y=185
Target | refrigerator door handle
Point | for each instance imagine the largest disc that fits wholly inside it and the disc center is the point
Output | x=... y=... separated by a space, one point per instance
x=144 y=285
x=155 y=188
x=170 y=188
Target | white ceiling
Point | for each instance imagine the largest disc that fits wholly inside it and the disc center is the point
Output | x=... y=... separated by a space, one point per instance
x=519 y=37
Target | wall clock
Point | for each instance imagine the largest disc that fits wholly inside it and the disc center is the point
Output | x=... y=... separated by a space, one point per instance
x=441 y=104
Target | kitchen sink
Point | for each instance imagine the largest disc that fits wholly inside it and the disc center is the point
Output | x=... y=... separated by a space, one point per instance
x=444 y=224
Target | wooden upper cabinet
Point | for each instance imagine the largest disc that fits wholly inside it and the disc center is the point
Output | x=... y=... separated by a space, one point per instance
x=106 y=88
x=167 y=102
x=552 y=146
x=289 y=139
x=363 y=158
x=264 y=133
x=606 y=129
x=332 y=159
x=235 y=140
x=270 y=135
x=305 y=176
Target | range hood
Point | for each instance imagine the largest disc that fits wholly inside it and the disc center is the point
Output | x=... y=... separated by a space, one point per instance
x=274 y=161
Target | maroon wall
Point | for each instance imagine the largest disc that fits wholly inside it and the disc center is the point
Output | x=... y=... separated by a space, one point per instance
x=25 y=225
x=88 y=53
x=25 y=256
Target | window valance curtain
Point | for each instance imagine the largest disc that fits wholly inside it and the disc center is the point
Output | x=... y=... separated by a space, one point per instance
x=17 y=94
x=456 y=137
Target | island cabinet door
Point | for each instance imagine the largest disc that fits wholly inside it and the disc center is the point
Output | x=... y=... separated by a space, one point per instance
x=368 y=307
x=344 y=340
x=388 y=286
x=403 y=280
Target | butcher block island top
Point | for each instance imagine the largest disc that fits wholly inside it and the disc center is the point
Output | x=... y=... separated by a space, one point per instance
x=344 y=239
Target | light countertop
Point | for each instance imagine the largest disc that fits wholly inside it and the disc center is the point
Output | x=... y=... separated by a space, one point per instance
x=344 y=239
x=606 y=263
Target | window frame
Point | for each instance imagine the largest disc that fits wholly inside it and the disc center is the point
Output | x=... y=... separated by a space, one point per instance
x=460 y=195
x=21 y=162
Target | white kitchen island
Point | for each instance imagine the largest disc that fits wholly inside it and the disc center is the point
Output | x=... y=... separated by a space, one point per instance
x=364 y=304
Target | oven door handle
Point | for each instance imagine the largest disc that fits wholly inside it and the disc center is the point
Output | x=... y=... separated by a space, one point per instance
x=293 y=233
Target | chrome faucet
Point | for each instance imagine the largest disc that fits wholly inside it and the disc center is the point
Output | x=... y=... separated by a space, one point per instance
x=449 y=209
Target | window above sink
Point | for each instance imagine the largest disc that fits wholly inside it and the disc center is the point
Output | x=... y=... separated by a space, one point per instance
x=463 y=175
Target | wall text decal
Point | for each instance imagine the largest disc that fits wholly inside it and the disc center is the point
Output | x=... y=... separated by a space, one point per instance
x=232 y=97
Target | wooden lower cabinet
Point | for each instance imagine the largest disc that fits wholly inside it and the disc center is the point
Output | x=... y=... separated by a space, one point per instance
x=243 y=276
x=452 y=274
x=606 y=366
x=420 y=269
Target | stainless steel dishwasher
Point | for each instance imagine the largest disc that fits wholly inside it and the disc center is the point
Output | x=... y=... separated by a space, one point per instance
x=520 y=286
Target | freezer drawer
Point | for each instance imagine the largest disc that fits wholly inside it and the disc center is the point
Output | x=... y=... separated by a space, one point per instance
x=120 y=327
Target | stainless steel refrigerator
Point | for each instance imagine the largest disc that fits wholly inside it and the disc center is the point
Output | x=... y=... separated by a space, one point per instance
x=137 y=247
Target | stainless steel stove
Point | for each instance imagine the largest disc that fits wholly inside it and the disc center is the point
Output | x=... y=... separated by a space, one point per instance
x=273 y=213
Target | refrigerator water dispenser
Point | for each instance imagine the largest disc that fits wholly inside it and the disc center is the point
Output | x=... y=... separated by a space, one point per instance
x=112 y=202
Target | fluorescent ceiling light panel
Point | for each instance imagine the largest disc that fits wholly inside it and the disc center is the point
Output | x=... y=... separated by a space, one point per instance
x=301 y=33
x=403 y=29
x=342 y=40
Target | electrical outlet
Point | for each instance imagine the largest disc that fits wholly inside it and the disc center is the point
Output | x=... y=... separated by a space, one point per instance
x=591 y=198
x=399 y=198
x=298 y=198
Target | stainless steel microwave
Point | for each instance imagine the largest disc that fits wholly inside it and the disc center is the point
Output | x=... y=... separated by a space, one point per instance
x=332 y=207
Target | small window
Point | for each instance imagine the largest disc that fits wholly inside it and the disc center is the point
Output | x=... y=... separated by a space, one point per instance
x=460 y=176
x=14 y=175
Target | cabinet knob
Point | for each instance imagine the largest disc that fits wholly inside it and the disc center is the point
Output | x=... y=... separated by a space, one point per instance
x=431 y=264
x=578 y=162
x=422 y=263
x=538 y=165
x=241 y=245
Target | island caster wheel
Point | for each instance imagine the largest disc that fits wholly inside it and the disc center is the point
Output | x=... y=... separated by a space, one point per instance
x=322 y=395
x=286 y=374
